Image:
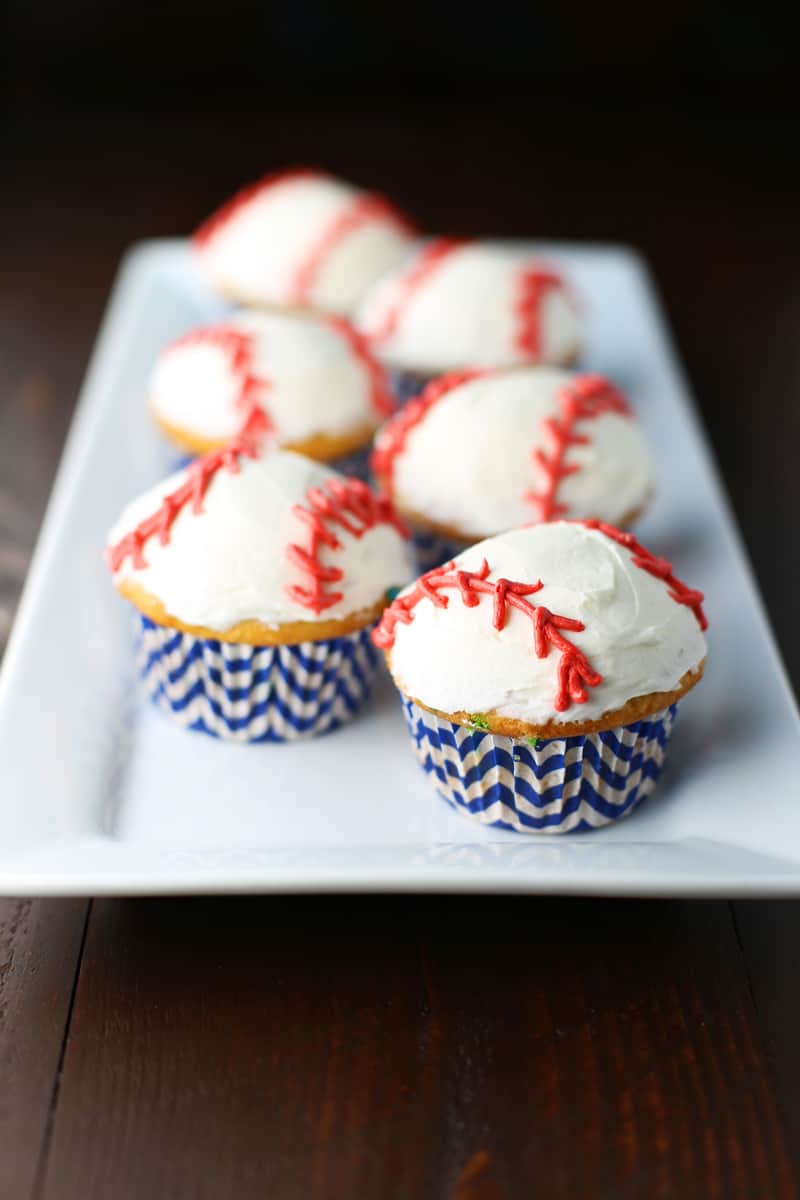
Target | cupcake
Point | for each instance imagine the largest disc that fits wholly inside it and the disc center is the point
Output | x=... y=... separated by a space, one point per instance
x=256 y=579
x=540 y=673
x=297 y=381
x=479 y=452
x=301 y=239
x=455 y=303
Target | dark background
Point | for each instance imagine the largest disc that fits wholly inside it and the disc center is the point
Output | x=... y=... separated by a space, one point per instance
x=407 y=1048
x=621 y=55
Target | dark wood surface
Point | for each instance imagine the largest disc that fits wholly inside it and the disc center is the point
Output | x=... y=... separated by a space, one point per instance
x=397 y=1046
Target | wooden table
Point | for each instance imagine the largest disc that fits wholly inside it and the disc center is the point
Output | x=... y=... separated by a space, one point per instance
x=408 y=1046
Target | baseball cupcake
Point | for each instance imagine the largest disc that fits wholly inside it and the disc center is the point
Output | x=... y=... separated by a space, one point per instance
x=256 y=579
x=301 y=239
x=540 y=672
x=455 y=303
x=297 y=381
x=482 y=451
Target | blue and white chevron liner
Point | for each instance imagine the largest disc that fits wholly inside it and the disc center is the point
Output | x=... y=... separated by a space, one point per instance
x=406 y=384
x=431 y=549
x=356 y=464
x=181 y=461
x=564 y=785
x=255 y=693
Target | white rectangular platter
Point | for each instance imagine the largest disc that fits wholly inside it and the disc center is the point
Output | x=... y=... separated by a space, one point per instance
x=99 y=794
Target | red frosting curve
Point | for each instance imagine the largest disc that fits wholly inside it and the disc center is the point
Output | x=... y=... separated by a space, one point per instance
x=532 y=285
x=211 y=226
x=393 y=436
x=198 y=476
x=380 y=392
x=427 y=261
x=364 y=209
x=347 y=503
x=583 y=399
x=238 y=345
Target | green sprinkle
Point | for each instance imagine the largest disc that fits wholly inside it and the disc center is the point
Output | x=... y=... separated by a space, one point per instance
x=478 y=721
x=537 y=743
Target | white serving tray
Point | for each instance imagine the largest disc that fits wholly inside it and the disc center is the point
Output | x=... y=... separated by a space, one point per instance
x=99 y=793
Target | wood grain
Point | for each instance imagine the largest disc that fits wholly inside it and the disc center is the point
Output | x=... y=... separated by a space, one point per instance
x=415 y=1048
x=767 y=933
x=39 y=950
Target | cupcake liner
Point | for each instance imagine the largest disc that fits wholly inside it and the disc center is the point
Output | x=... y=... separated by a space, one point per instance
x=356 y=463
x=407 y=384
x=181 y=461
x=432 y=550
x=255 y=693
x=560 y=785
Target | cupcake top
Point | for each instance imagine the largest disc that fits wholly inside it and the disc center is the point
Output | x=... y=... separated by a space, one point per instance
x=301 y=238
x=242 y=537
x=289 y=376
x=558 y=623
x=456 y=303
x=479 y=452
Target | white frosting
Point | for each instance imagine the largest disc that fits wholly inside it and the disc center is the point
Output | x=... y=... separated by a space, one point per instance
x=254 y=255
x=464 y=313
x=229 y=563
x=315 y=382
x=469 y=462
x=637 y=637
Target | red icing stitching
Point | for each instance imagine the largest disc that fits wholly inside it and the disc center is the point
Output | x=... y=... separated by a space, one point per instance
x=350 y=504
x=392 y=438
x=364 y=208
x=191 y=491
x=223 y=214
x=380 y=392
x=238 y=346
x=583 y=399
x=424 y=265
x=574 y=669
x=532 y=285
x=680 y=592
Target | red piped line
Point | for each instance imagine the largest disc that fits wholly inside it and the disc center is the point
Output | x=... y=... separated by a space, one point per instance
x=212 y=225
x=392 y=438
x=678 y=591
x=575 y=673
x=238 y=346
x=423 y=267
x=583 y=399
x=380 y=392
x=532 y=285
x=191 y=491
x=354 y=507
x=363 y=210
